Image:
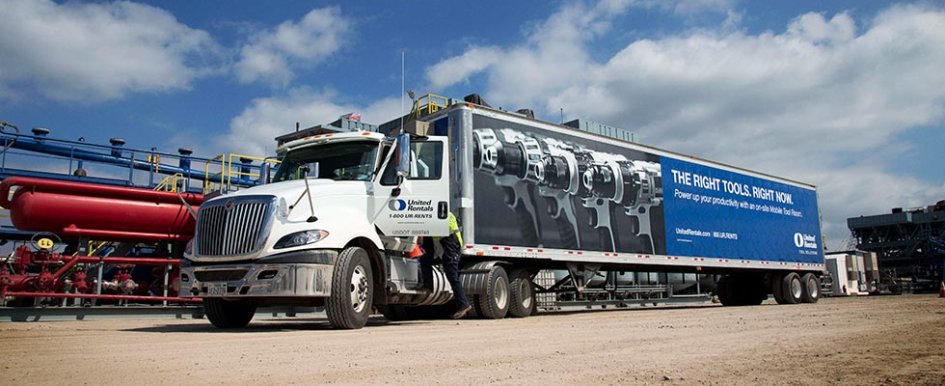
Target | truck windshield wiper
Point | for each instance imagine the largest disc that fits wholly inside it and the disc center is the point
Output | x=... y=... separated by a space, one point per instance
x=307 y=192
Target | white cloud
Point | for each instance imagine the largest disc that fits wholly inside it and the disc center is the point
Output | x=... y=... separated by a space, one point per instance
x=460 y=68
x=819 y=102
x=95 y=52
x=273 y=55
x=254 y=130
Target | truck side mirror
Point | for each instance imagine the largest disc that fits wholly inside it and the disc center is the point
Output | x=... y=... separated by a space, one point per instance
x=264 y=173
x=402 y=158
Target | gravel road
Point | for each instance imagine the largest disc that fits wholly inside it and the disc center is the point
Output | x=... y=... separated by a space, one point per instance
x=892 y=340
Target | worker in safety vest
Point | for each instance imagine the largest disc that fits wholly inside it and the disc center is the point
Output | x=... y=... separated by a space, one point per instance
x=446 y=251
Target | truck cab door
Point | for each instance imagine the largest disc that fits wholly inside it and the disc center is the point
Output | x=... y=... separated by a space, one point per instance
x=415 y=203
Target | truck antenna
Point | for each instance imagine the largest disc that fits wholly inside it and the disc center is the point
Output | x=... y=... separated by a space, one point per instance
x=402 y=81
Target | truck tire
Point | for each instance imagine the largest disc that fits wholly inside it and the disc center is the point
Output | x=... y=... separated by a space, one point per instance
x=228 y=314
x=751 y=290
x=777 y=284
x=352 y=292
x=791 y=288
x=811 y=292
x=726 y=291
x=494 y=303
x=522 y=294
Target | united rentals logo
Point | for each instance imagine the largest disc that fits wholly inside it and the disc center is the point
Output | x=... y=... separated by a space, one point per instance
x=397 y=205
x=805 y=241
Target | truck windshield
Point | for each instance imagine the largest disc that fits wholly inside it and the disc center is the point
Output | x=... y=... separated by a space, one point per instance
x=339 y=161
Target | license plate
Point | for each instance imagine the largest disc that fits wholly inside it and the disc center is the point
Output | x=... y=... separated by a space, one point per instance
x=216 y=289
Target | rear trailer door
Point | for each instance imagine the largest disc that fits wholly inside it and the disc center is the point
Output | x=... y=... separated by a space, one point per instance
x=417 y=205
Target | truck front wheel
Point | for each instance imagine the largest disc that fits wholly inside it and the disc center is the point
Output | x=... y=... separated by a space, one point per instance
x=349 y=305
x=228 y=314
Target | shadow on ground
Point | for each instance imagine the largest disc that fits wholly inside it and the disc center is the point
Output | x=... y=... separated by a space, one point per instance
x=264 y=325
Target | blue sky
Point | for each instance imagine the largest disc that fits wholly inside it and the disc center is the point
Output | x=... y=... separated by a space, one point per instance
x=848 y=95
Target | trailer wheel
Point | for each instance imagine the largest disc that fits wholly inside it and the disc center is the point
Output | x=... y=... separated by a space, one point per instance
x=349 y=305
x=726 y=291
x=522 y=294
x=751 y=290
x=494 y=303
x=811 y=292
x=777 y=284
x=791 y=288
x=228 y=314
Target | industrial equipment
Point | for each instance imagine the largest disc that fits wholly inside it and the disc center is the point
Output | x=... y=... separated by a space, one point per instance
x=908 y=243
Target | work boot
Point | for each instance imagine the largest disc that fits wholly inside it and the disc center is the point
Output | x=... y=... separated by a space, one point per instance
x=461 y=312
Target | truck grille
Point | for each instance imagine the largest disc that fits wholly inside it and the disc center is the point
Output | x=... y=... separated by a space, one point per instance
x=233 y=227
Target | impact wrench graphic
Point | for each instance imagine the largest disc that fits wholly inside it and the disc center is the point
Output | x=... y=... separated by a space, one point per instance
x=500 y=156
x=635 y=185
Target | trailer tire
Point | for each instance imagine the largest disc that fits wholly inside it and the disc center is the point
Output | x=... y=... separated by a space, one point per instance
x=349 y=304
x=751 y=290
x=522 y=294
x=726 y=291
x=777 y=286
x=494 y=303
x=792 y=288
x=811 y=292
x=228 y=314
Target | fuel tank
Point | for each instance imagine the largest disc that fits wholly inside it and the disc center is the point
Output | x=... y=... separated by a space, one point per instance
x=100 y=212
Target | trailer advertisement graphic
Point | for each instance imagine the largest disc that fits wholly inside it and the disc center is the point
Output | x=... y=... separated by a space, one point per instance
x=716 y=213
x=536 y=187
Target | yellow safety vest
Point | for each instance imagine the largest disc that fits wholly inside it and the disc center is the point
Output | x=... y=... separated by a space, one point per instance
x=454 y=229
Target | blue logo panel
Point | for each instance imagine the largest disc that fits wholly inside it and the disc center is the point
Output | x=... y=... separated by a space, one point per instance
x=716 y=213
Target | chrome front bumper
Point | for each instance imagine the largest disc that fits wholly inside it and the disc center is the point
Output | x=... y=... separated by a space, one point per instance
x=256 y=280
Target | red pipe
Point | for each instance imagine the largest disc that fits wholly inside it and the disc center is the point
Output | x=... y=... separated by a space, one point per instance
x=73 y=230
x=104 y=297
x=129 y=260
x=71 y=263
x=69 y=187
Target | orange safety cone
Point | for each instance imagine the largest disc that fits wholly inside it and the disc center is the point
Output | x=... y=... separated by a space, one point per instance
x=941 y=292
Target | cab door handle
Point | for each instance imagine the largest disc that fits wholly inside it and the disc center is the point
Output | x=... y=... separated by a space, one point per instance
x=442 y=210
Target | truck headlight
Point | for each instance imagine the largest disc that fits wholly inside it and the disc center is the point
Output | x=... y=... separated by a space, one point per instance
x=189 y=249
x=300 y=238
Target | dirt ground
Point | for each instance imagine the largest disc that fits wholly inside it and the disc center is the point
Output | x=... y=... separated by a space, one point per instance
x=893 y=340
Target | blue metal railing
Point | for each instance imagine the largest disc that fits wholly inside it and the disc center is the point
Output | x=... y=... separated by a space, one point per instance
x=19 y=153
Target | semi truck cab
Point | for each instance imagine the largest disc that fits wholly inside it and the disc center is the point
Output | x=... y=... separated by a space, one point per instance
x=330 y=230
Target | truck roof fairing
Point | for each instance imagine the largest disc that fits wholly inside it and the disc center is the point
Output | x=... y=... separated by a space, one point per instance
x=334 y=137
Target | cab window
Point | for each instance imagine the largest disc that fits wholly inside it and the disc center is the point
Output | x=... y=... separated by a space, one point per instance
x=426 y=163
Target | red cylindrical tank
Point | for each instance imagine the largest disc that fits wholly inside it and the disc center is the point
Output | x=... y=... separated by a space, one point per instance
x=98 y=211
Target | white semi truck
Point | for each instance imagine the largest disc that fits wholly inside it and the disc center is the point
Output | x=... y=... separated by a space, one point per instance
x=334 y=226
